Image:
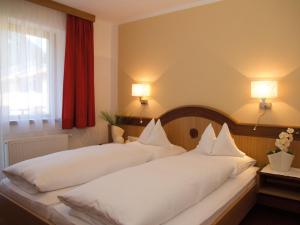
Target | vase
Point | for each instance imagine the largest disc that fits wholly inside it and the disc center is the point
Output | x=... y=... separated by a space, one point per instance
x=117 y=134
x=281 y=161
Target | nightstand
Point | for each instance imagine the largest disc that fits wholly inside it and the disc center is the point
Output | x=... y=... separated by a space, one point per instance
x=279 y=189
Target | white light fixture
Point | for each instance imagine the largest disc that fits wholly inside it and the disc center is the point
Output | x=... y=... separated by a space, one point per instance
x=264 y=89
x=142 y=91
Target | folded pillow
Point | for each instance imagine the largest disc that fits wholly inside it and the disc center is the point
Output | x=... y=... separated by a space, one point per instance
x=242 y=163
x=158 y=136
x=207 y=140
x=146 y=132
x=225 y=145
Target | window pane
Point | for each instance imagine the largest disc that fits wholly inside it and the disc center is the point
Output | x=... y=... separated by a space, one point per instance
x=26 y=84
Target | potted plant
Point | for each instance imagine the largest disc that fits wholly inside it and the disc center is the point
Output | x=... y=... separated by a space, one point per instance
x=281 y=158
x=115 y=133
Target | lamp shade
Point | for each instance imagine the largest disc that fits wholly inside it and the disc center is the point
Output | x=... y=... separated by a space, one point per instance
x=141 y=90
x=264 y=89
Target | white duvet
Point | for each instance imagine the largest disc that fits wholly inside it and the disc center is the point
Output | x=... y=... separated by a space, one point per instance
x=152 y=193
x=74 y=167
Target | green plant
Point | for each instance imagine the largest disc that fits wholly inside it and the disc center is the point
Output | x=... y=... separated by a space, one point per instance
x=110 y=118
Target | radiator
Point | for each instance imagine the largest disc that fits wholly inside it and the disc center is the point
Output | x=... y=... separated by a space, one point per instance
x=21 y=149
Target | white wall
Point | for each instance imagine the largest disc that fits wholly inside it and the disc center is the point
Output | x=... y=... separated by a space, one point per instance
x=105 y=52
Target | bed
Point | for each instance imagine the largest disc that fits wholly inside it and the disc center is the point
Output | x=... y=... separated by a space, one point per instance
x=209 y=211
x=184 y=126
x=39 y=203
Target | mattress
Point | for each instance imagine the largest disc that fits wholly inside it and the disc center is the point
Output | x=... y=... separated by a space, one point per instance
x=203 y=213
x=39 y=203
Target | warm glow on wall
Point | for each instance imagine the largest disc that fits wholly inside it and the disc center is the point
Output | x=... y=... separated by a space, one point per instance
x=264 y=89
x=141 y=91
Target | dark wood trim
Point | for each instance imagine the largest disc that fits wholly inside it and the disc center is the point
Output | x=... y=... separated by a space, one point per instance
x=134 y=121
x=239 y=210
x=64 y=8
x=279 y=203
x=12 y=214
x=214 y=115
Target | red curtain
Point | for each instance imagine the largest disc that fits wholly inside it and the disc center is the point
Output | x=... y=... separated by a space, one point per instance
x=78 y=89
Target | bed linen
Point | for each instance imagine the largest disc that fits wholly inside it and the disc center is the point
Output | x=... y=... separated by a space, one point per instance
x=120 y=199
x=39 y=203
x=74 y=167
x=203 y=213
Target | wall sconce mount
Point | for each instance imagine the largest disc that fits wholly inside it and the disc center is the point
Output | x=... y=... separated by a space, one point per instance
x=264 y=104
x=143 y=101
x=263 y=89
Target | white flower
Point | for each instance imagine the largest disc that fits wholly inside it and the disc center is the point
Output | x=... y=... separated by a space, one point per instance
x=283 y=135
x=291 y=138
x=278 y=144
x=290 y=130
x=285 y=139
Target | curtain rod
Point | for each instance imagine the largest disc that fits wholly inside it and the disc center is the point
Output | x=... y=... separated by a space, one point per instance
x=64 y=8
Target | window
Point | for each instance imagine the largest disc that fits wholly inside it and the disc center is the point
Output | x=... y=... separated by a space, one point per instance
x=26 y=86
x=32 y=58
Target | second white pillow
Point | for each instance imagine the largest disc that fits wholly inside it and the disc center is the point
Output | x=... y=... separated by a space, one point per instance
x=207 y=140
x=146 y=132
x=225 y=145
x=158 y=136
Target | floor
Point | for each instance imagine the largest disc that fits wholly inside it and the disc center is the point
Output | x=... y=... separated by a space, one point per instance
x=262 y=215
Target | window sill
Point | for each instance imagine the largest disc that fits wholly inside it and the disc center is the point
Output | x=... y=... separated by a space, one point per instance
x=14 y=122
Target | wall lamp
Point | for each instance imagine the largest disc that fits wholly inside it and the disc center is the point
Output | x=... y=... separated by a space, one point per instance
x=264 y=89
x=142 y=91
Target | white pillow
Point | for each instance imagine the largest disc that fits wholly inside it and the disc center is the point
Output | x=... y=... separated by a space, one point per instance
x=146 y=132
x=207 y=140
x=158 y=136
x=242 y=163
x=225 y=145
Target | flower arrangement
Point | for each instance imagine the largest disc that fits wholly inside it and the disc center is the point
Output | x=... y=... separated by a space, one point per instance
x=284 y=141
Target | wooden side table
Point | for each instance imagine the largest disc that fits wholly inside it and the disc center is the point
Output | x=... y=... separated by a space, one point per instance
x=279 y=189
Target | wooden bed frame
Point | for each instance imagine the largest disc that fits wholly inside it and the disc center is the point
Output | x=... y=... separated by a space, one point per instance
x=184 y=126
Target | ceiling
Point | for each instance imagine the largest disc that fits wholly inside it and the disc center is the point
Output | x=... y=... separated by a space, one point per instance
x=122 y=11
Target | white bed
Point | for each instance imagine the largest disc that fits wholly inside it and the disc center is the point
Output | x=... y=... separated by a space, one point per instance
x=38 y=203
x=203 y=213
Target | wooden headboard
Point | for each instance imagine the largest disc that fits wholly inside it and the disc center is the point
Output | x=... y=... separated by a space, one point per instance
x=185 y=125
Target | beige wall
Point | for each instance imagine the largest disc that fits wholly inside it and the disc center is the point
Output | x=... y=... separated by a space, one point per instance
x=209 y=54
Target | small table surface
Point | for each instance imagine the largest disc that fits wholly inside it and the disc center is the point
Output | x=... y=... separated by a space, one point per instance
x=293 y=172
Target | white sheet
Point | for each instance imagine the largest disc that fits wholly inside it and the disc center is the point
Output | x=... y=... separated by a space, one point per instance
x=75 y=167
x=39 y=203
x=203 y=213
x=150 y=193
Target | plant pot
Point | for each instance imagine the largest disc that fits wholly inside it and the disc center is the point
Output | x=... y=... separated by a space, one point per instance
x=117 y=134
x=281 y=161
